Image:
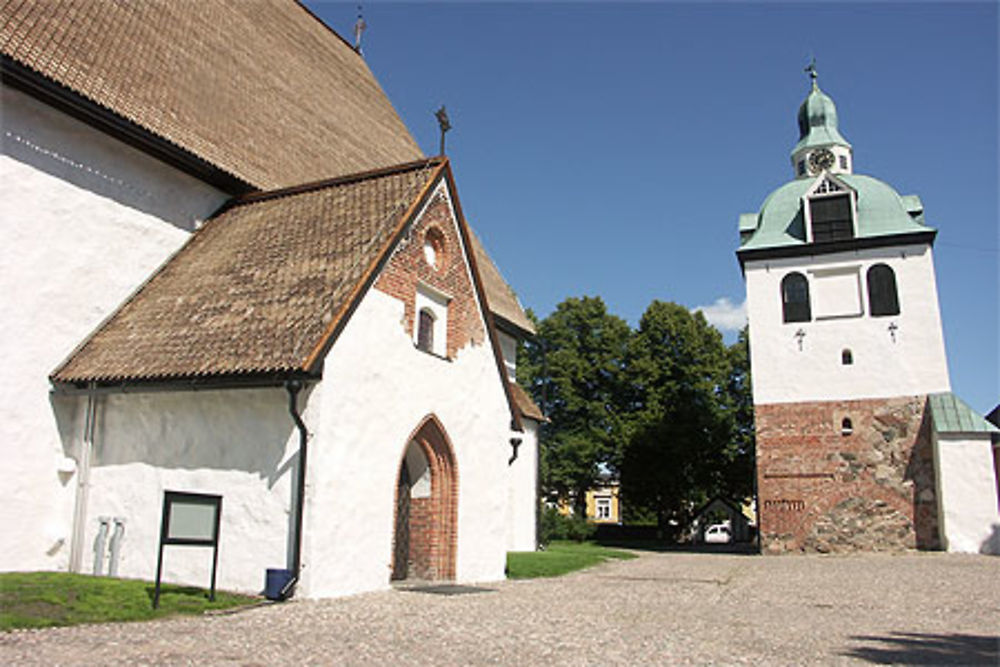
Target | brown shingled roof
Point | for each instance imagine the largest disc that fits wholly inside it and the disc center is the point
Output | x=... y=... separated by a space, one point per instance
x=501 y=298
x=259 y=88
x=525 y=405
x=261 y=287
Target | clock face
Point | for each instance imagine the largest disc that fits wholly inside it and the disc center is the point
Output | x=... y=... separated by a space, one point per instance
x=820 y=160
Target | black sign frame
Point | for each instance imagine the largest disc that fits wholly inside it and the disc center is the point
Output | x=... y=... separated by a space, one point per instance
x=180 y=498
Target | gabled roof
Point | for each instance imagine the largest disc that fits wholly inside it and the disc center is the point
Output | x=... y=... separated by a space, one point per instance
x=260 y=288
x=501 y=298
x=261 y=90
x=953 y=415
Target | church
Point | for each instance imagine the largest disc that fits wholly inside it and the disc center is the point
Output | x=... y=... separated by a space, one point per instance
x=861 y=444
x=229 y=270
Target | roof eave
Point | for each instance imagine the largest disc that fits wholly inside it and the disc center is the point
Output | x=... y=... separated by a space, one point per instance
x=830 y=247
x=23 y=78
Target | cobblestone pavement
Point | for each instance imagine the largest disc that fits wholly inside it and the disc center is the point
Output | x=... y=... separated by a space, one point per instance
x=672 y=608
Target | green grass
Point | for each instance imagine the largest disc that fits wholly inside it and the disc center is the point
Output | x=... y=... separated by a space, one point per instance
x=559 y=558
x=43 y=599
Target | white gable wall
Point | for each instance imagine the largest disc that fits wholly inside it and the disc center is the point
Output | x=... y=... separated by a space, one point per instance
x=912 y=364
x=84 y=220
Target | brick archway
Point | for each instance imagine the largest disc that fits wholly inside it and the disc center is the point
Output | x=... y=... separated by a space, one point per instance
x=425 y=524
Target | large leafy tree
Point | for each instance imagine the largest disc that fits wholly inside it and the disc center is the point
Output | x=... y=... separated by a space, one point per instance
x=575 y=370
x=681 y=382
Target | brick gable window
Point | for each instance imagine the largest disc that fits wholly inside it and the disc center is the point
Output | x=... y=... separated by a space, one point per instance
x=795 y=298
x=425 y=331
x=883 y=299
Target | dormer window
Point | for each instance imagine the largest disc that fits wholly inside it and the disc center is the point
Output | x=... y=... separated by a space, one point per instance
x=829 y=209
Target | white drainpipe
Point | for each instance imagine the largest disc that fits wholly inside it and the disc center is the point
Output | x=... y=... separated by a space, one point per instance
x=83 y=483
x=102 y=538
x=116 y=545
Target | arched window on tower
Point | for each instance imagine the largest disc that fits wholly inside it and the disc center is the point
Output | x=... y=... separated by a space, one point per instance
x=795 y=298
x=883 y=299
x=425 y=331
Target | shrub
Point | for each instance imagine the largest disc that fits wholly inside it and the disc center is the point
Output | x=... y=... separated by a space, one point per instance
x=555 y=526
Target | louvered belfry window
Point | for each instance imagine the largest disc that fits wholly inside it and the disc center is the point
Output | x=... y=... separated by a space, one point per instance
x=795 y=298
x=883 y=299
x=831 y=218
x=425 y=331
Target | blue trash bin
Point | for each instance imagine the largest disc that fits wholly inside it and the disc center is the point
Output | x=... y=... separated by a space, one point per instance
x=275 y=582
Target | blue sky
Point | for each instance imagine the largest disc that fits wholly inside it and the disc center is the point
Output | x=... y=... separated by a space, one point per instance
x=609 y=148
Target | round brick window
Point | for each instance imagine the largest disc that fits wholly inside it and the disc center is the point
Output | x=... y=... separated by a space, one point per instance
x=434 y=247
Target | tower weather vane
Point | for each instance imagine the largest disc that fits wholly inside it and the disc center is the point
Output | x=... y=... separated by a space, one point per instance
x=359 y=28
x=811 y=68
x=443 y=122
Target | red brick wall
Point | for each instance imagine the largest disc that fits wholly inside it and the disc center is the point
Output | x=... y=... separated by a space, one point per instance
x=408 y=267
x=821 y=490
x=422 y=538
x=433 y=520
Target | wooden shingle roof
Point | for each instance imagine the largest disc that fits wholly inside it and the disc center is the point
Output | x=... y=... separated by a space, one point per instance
x=260 y=89
x=261 y=287
x=501 y=298
x=525 y=404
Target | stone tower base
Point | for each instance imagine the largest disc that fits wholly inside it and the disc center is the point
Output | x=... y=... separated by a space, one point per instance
x=846 y=476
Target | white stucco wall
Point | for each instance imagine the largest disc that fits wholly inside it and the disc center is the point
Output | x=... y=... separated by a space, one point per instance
x=85 y=219
x=522 y=490
x=967 y=493
x=371 y=404
x=241 y=444
x=911 y=364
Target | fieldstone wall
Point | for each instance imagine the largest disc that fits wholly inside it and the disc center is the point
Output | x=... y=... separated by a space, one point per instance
x=846 y=476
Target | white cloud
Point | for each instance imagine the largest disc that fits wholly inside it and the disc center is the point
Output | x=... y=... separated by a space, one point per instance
x=724 y=314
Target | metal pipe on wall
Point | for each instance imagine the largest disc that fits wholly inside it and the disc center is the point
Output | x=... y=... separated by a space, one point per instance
x=99 y=542
x=116 y=546
x=83 y=482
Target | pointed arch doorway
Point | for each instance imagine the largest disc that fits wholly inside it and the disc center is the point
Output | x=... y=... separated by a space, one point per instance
x=425 y=532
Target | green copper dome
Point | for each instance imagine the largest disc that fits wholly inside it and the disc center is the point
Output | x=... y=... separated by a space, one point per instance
x=818 y=121
x=881 y=211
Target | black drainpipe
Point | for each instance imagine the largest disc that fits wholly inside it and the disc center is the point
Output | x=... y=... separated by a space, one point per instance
x=294 y=387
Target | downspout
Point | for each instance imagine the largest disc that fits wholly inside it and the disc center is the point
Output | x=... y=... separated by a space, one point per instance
x=294 y=387
x=83 y=482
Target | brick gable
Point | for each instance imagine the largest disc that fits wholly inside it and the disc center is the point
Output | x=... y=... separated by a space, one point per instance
x=408 y=268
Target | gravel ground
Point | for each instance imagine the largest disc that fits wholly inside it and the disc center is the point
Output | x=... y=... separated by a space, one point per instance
x=672 y=608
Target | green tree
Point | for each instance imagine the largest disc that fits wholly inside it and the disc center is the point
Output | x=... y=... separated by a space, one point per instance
x=738 y=473
x=575 y=370
x=681 y=445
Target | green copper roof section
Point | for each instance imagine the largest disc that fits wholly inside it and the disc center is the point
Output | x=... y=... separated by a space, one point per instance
x=881 y=212
x=818 y=121
x=952 y=415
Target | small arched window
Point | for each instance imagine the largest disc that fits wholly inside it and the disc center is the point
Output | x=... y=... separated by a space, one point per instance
x=795 y=298
x=846 y=357
x=425 y=331
x=846 y=427
x=883 y=299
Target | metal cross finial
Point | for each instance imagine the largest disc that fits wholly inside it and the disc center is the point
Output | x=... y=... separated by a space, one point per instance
x=813 y=74
x=893 y=327
x=800 y=336
x=359 y=27
x=443 y=123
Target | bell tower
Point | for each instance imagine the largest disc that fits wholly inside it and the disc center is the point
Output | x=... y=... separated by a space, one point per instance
x=847 y=353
